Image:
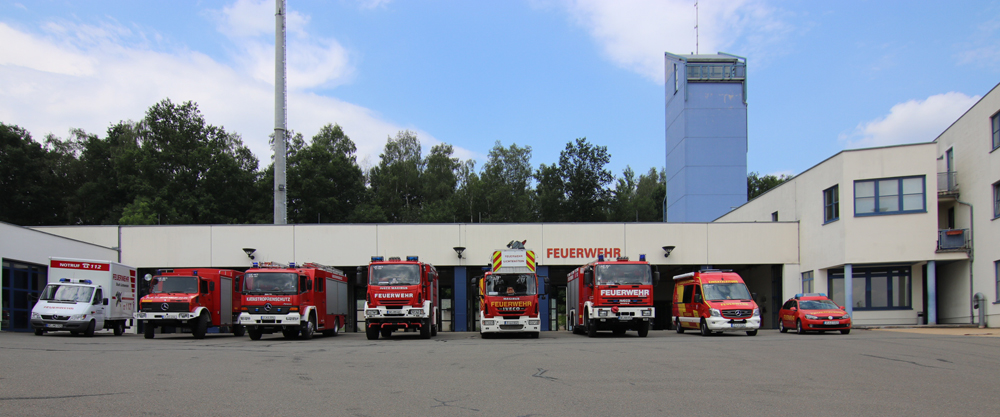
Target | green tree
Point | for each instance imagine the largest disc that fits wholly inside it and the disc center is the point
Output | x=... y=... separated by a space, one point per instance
x=506 y=185
x=325 y=184
x=757 y=184
x=468 y=197
x=395 y=182
x=638 y=199
x=550 y=194
x=439 y=179
x=582 y=168
x=31 y=191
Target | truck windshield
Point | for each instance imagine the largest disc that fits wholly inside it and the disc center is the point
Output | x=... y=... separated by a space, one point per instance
x=270 y=283
x=621 y=274
x=727 y=291
x=184 y=285
x=510 y=284
x=819 y=305
x=394 y=275
x=67 y=293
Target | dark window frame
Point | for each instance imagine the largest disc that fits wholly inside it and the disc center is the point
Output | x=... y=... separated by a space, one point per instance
x=996 y=200
x=831 y=204
x=995 y=128
x=876 y=272
x=899 y=194
x=808 y=277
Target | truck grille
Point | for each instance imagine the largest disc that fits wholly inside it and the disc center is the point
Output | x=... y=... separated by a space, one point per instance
x=393 y=302
x=737 y=314
x=159 y=307
x=46 y=317
x=511 y=327
x=274 y=310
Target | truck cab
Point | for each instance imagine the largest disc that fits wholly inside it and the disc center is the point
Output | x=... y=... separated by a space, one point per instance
x=402 y=295
x=714 y=301
x=508 y=295
x=614 y=295
x=295 y=300
x=191 y=298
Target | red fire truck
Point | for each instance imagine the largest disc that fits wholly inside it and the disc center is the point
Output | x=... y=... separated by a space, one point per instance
x=191 y=298
x=614 y=295
x=508 y=294
x=402 y=295
x=295 y=300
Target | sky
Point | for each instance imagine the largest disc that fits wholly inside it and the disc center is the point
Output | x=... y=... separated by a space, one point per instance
x=822 y=76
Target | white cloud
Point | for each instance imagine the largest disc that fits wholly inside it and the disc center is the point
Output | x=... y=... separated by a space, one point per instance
x=635 y=34
x=64 y=76
x=914 y=121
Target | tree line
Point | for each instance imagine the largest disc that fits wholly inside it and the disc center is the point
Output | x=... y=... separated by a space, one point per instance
x=172 y=167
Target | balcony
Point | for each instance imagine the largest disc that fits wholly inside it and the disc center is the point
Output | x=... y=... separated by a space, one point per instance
x=950 y=240
x=947 y=184
x=727 y=71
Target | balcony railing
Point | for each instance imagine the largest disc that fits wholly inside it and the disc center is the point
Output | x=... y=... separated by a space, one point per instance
x=717 y=72
x=953 y=239
x=947 y=183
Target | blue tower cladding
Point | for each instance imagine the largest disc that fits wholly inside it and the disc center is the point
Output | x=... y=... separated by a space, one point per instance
x=706 y=136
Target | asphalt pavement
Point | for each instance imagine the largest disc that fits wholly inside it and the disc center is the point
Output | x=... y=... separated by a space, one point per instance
x=868 y=372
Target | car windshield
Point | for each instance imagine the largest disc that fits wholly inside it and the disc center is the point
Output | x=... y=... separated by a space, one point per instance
x=623 y=274
x=818 y=305
x=727 y=291
x=270 y=283
x=67 y=293
x=405 y=274
x=183 y=285
x=510 y=284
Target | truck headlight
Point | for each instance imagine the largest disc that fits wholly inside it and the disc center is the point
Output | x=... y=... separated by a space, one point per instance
x=140 y=315
x=715 y=312
x=647 y=312
x=602 y=313
x=77 y=317
x=371 y=313
x=488 y=322
x=534 y=322
x=36 y=316
x=756 y=312
x=417 y=313
x=184 y=316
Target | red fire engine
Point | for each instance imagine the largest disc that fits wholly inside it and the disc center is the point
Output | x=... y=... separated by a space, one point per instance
x=401 y=295
x=295 y=300
x=614 y=295
x=508 y=293
x=191 y=298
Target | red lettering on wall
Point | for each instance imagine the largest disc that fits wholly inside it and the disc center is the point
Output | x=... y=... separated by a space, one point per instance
x=581 y=253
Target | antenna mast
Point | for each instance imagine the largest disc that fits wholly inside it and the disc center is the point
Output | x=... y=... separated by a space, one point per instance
x=696 y=51
x=280 y=116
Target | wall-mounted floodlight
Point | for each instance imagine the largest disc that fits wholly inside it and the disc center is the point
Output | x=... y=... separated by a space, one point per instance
x=250 y=252
x=667 y=250
x=459 y=250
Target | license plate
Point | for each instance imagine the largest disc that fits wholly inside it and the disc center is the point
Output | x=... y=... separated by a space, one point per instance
x=831 y=322
x=511 y=323
x=54 y=326
x=267 y=317
x=739 y=325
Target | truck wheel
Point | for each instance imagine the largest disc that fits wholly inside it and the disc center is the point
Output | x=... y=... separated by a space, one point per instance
x=678 y=327
x=386 y=332
x=704 y=328
x=425 y=329
x=752 y=332
x=332 y=332
x=200 y=327
x=119 y=328
x=643 y=329
x=371 y=332
x=309 y=328
x=90 y=329
x=255 y=334
x=239 y=331
x=148 y=330
x=434 y=330
x=39 y=331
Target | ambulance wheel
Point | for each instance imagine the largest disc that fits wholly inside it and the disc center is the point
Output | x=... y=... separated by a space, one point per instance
x=678 y=327
x=386 y=332
x=781 y=326
x=239 y=331
x=148 y=331
x=90 y=329
x=845 y=331
x=119 y=328
x=372 y=332
x=704 y=328
x=309 y=328
x=425 y=329
x=200 y=327
x=39 y=331
x=798 y=327
x=255 y=334
x=751 y=332
x=643 y=329
x=618 y=331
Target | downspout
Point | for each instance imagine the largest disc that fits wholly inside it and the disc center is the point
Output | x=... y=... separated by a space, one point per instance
x=979 y=302
x=972 y=258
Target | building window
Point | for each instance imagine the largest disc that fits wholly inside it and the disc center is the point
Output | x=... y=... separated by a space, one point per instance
x=831 y=204
x=874 y=288
x=807 y=282
x=995 y=121
x=774 y=216
x=996 y=275
x=677 y=81
x=889 y=196
x=996 y=199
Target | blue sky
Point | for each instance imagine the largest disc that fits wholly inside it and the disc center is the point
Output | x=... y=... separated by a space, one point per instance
x=822 y=76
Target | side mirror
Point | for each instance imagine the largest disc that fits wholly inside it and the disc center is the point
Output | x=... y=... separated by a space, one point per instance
x=796 y=309
x=656 y=278
x=588 y=278
x=475 y=281
x=105 y=302
x=697 y=299
x=843 y=308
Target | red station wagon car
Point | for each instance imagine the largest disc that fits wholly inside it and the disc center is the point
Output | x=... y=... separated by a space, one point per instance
x=813 y=312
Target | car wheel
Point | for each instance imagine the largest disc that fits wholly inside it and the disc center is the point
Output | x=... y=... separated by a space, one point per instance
x=704 y=328
x=751 y=332
x=678 y=327
x=845 y=331
x=90 y=329
x=119 y=328
x=149 y=331
x=39 y=331
x=798 y=327
x=371 y=332
x=781 y=326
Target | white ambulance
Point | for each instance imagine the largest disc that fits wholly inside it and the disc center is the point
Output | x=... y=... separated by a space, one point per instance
x=84 y=295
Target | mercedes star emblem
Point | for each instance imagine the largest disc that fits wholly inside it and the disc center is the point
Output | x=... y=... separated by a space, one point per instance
x=165 y=306
x=267 y=307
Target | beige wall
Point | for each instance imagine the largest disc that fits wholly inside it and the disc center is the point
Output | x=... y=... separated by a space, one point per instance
x=27 y=245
